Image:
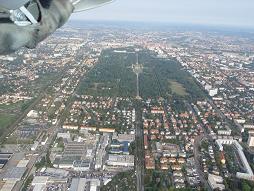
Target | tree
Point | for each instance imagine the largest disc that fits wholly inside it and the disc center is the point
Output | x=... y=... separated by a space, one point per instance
x=28 y=182
x=245 y=186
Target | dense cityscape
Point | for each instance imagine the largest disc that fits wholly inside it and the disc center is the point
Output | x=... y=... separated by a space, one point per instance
x=115 y=107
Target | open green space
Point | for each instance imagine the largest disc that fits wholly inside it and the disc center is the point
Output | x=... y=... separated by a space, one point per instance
x=113 y=76
x=232 y=160
x=177 y=88
x=9 y=106
x=13 y=106
x=5 y=121
x=16 y=107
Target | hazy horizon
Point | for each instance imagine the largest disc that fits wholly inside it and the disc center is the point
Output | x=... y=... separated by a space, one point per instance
x=198 y=12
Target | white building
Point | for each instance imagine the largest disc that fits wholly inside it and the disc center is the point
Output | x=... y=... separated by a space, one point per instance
x=94 y=184
x=251 y=140
x=33 y=114
x=213 y=92
x=39 y=183
x=216 y=182
x=120 y=160
x=240 y=121
x=71 y=127
x=34 y=146
x=64 y=135
x=224 y=132
x=124 y=137
x=248 y=126
x=78 y=184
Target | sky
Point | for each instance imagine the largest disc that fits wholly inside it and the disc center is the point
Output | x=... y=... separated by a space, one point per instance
x=205 y=12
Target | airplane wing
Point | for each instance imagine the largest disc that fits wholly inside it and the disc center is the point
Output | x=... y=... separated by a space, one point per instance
x=83 y=5
x=12 y=4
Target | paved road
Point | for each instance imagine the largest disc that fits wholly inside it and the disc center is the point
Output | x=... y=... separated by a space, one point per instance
x=139 y=158
x=197 y=142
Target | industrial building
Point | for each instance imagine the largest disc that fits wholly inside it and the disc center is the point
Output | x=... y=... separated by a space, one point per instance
x=83 y=184
x=14 y=174
x=81 y=165
x=120 y=160
x=123 y=137
x=4 y=158
x=78 y=184
x=8 y=185
x=39 y=183
x=119 y=147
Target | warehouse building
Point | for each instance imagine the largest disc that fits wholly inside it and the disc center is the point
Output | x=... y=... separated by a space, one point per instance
x=120 y=160
x=14 y=174
x=4 y=158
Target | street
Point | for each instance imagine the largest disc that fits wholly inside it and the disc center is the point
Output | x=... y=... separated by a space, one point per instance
x=139 y=158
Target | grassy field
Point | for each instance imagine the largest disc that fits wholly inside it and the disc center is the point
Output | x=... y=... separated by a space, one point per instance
x=15 y=107
x=10 y=106
x=6 y=120
x=177 y=88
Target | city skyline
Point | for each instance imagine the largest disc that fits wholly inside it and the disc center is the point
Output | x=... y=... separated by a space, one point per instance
x=226 y=12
